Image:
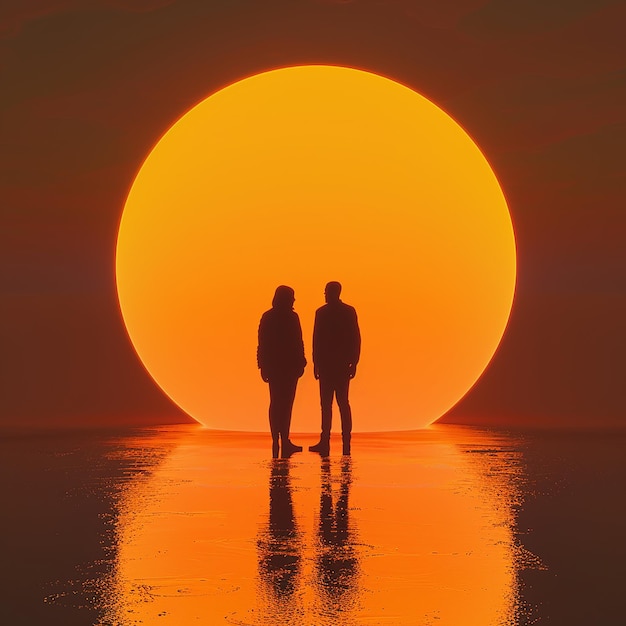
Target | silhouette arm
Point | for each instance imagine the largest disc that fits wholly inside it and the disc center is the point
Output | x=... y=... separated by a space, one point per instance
x=357 y=339
x=316 y=348
x=261 y=357
x=300 y=344
x=356 y=344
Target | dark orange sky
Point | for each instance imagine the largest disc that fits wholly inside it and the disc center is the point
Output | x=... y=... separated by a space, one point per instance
x=88 y=87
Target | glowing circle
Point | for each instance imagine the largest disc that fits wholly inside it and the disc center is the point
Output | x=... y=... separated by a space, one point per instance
x=299 y=176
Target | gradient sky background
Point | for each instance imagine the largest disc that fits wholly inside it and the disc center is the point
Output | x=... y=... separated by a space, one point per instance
x=88 y=87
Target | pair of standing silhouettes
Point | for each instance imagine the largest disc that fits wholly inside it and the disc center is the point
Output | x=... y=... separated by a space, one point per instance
x=280 y=356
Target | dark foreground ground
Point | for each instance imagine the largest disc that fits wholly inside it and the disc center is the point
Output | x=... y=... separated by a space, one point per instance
x=113 y=528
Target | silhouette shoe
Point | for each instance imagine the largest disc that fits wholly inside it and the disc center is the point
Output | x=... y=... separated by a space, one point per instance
x=322 y=447
x=289 y=448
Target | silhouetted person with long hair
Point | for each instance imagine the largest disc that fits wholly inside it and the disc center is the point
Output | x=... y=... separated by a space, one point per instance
x=280 y=357
x=336 y=351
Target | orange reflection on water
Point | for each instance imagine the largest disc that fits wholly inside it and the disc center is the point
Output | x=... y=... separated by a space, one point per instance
x=414 y=528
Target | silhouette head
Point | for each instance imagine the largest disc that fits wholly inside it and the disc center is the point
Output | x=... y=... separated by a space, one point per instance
x=284 y=297
x=332 y=291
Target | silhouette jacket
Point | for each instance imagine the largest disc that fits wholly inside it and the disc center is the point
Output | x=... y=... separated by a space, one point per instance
x=336 y=338
x=280 y=352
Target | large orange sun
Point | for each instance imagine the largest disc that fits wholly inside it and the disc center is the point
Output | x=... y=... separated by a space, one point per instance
x=300 y=176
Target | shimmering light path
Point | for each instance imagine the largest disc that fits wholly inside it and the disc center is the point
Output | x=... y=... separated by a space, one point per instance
x=180 y=525
x=409 y=530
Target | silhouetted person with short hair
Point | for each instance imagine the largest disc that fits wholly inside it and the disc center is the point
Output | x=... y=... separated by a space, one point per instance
x=336 y=351
x=280 y=357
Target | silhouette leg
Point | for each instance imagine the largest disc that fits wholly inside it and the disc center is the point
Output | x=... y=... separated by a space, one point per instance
x=274 y=412
x=342 y=388
x=288 y=394
x=327 y=391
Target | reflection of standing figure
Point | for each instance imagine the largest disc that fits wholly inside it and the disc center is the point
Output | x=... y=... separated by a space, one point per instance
x=280 y=356
x=279 y=547
x=336 y=561
x=336 y=351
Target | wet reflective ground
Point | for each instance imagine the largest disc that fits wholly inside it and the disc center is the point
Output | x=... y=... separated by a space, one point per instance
x=179 y=525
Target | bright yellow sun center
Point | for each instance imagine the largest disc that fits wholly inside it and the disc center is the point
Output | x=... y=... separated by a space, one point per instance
x=300 y=176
